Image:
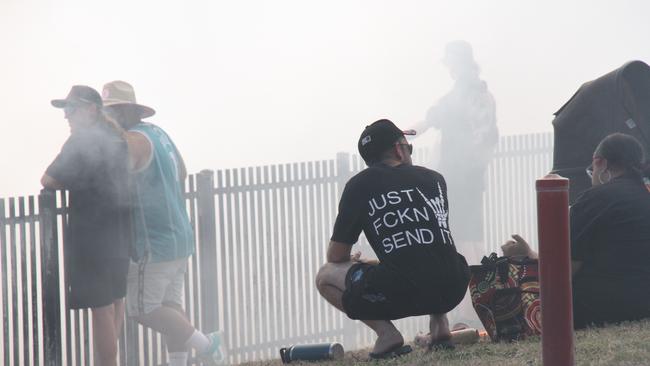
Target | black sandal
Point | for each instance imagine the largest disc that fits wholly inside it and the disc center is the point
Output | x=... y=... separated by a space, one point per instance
x=444 y=345
x=396 y=351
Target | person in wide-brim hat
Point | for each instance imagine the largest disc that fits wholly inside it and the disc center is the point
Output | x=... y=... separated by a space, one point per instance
x=163 y=238
x=120 y=95
x=92 y=162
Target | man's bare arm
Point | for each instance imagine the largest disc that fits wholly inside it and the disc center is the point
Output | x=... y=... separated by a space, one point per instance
x=517 y=246
x=338 y=252
x=433 y=118
x=140 y=149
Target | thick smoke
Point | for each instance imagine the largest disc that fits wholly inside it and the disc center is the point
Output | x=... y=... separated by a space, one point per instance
x=466 y=120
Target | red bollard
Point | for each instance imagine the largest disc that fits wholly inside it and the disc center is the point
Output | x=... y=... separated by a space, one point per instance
x=555 y=270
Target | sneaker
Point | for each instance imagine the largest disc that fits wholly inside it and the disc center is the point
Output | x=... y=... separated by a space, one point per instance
x=216 y=353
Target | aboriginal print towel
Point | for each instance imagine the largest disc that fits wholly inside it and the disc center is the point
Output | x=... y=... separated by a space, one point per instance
x=505 y=295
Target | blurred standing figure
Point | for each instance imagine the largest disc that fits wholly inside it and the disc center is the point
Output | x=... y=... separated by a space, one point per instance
x=466 y=118
x=164 y=238
x=93 y=167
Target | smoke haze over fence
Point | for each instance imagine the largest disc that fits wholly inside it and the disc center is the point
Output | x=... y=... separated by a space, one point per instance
x=253 y=83
x=269 y=225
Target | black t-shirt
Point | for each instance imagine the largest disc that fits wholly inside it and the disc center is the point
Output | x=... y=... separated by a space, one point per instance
x=403 y=211
x=93 y=167
x=610 y=231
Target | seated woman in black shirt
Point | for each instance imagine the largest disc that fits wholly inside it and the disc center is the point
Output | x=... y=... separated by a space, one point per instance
x=610 y=237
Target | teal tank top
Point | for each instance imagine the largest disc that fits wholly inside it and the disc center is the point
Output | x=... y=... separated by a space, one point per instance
x=162 y=227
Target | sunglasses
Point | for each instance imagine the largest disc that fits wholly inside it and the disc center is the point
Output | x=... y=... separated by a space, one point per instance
x=590 y=170
x=409 y=147
x=71 y=107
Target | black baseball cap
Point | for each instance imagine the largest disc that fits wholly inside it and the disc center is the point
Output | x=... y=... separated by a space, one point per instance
x=79 y=94
x=379 y=137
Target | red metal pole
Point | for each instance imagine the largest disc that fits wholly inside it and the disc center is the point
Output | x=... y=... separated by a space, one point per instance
x=555 y=270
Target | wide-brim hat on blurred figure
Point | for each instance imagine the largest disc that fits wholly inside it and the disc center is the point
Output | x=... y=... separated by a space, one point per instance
x=120 y=93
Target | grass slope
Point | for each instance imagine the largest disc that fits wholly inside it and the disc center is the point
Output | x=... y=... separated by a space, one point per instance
x=625 y=344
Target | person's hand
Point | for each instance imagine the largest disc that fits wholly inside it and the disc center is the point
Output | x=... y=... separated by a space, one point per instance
x=553 y=176
x=517 y=246
x=356 y=257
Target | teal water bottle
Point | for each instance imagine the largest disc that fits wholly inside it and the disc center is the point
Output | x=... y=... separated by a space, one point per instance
x=312 y=352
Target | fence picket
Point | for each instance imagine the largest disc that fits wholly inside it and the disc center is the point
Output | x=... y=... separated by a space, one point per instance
x=237 y=263
x=50 y=280
x=77 y=336
x=14 y=283
x=132 y=356
x=319 y=245
x=305 y=244
x=313 y=248
x=283 y=263
x=146 y=345
x=262 y=250
x=155 y=346
x=238 y=246
x=230 y=263
x=24 y=264
x=193 y=304
x=33 y=281
x=292 y=245
x=189 y=287
x=5 y=294
x=251 y=262
x=330 y=317
x=222 y=258
x=87 y=336
x=275 y=254
x=61 y=203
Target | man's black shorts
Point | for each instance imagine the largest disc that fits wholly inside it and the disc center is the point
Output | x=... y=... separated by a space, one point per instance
x=371 y=293
x=93 y=283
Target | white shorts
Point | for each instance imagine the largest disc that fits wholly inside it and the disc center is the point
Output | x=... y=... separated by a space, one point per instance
x=150 y=285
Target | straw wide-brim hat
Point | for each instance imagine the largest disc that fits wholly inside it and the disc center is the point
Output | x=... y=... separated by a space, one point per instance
x=121 y=93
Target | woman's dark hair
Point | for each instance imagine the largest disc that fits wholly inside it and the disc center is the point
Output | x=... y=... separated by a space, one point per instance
x=623 y=152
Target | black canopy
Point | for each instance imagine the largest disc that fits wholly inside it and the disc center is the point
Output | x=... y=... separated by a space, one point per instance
x=615 y=102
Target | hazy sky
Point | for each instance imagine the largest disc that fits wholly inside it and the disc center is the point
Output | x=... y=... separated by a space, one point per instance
x=244 y=83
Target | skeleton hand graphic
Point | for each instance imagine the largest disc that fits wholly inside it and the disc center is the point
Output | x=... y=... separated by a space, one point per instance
x=437 y=204
x=439 y=209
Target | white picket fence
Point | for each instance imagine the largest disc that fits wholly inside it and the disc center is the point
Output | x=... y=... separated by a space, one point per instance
x=262 y=234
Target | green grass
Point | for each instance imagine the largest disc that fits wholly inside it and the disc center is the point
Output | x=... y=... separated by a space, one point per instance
x=625 y=344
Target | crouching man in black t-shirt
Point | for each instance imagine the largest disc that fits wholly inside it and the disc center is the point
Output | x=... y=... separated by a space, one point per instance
x=403 y=212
